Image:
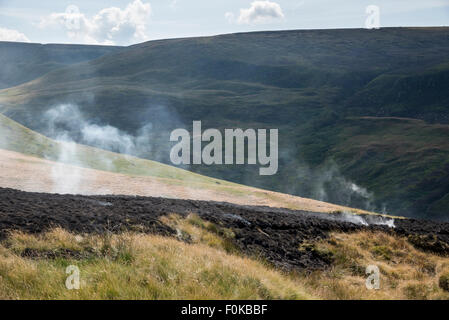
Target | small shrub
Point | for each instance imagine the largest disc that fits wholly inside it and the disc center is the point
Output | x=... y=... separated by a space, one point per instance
x=443 y=282
x=195 y=220
x=416 y=291
x=429 y=268
x=382 y=252
x=323 y=253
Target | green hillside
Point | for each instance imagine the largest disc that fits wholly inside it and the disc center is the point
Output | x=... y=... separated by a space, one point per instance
x=22 y=62
x=402 y=159
x=314 y=85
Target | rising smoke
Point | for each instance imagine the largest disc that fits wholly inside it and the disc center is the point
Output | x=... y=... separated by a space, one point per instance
x=66 y=179
x=67 y=124
x=327 y=183
x=331 y=186
x=365 y=220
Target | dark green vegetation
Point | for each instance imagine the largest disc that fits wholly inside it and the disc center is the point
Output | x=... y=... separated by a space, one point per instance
x=363 y=106
x=22 y=62
x=397 y=158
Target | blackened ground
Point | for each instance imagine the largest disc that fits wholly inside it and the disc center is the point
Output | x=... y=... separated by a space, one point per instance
x=277 y=235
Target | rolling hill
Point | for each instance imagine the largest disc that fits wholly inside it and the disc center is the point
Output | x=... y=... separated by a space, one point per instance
x=22 y=62
x=32 y=162
x=362 y=114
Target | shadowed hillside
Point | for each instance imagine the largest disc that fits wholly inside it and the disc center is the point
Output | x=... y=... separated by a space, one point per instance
x=314 y=85
x=22 y=62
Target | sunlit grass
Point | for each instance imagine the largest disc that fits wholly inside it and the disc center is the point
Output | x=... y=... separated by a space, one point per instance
x=134 y=266
x=405 y=272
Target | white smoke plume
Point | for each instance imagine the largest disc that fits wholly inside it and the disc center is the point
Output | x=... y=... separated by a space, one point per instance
x=67 y=124
x=330 y=186
x=66 y=179
x=365 y=220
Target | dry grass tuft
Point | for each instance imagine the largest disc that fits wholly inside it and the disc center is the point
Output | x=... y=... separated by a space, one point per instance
x=196 y=230
x=134 y=266
x=405 y=272
x=203 y=264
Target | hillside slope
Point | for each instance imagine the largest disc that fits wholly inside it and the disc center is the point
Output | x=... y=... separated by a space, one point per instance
x=22 y=62
x=31 y=162
x=401 y=158
x=307 y=83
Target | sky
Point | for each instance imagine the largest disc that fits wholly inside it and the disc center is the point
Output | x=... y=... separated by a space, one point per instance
x=125 y=22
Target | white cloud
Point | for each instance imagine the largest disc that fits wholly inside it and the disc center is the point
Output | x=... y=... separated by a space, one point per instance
x=109 y=26
x=260 y=12
x=12 y=35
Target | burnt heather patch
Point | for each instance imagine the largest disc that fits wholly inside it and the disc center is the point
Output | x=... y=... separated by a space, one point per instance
x=280 y=236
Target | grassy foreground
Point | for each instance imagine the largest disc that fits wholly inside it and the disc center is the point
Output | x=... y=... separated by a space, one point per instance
x=134 y=266
x=139 y=266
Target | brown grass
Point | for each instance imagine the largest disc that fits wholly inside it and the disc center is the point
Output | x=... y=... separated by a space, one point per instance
x=134 y=266
x=138 y=266
x=405 y=272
